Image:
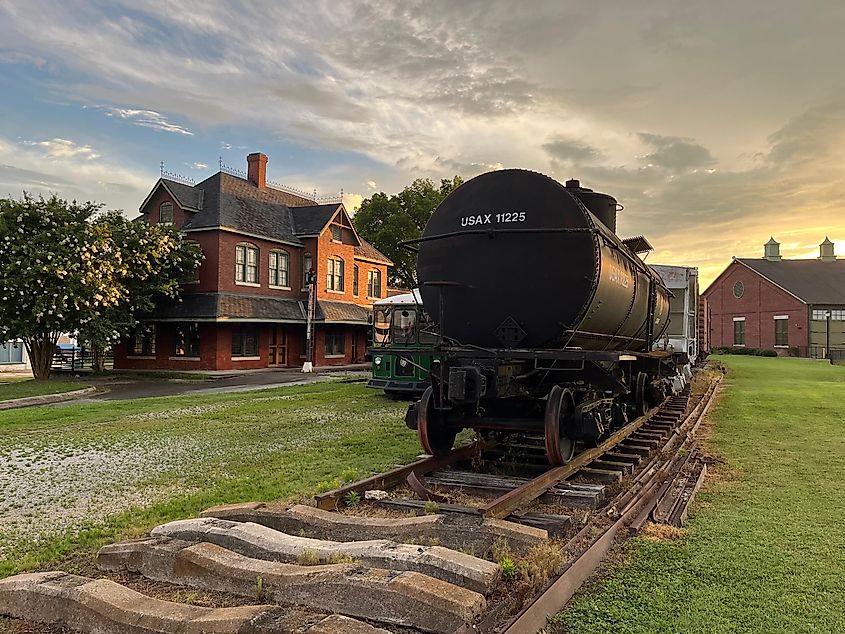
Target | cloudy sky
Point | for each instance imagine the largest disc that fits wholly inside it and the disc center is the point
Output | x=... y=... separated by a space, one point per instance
x=716 y=124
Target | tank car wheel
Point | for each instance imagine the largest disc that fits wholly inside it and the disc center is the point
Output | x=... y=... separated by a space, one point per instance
x=559 y=448
x=435 y=437
x=642 y=394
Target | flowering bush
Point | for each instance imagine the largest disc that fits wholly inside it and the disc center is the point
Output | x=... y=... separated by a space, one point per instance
x=66 y=269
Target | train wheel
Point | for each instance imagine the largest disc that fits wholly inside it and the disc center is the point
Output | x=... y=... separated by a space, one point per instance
x=559 y=407
x=435 y=437
x=642 y=394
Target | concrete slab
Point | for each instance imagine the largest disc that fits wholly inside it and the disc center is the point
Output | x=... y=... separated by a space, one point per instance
x=100 y=606
x=472 y=534
x=408 y=598
x=260 y=542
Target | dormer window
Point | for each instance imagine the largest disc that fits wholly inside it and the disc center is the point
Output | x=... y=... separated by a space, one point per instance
x=165 y=214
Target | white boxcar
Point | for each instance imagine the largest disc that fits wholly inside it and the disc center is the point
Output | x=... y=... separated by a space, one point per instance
x=682 y=334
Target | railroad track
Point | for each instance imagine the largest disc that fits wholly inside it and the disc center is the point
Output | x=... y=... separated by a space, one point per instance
x=393 y=550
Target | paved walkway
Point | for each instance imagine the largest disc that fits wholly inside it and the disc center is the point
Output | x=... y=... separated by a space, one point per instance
x=266 y=379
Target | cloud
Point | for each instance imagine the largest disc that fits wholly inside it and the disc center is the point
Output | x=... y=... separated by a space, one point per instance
x=571 y=151
x=197 y=166
x=62 y=148
x=371 y=184
x=70 y=173
x=145 y=118
x=681 y=115
x=675 y=153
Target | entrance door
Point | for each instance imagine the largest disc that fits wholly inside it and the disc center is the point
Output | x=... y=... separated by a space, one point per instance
x=354 y=346
x=278 y=347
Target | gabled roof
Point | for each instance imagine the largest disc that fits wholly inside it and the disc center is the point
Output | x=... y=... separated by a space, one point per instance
x=366 y=251
x=811 y=281
x=188 y=196
x=224 y=200
x=311 y=220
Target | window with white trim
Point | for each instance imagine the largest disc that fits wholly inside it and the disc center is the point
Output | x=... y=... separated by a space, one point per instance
x=246 y=263
x=355 y=280
x=279 y=267
x=835 y=314
x=334 y=274
x=306 y=269
x=165 y=214
x=739 y=331
x=781 y=332
x=374 y=283
x=11 y=352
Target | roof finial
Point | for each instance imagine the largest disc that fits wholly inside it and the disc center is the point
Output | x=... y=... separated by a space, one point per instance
x=161 y=169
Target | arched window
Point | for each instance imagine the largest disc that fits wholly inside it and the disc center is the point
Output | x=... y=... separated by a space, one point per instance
x=246 y=263
x=374 y=283
x=306 y=269
x=193 y=277
x=334 y=274
x=355 y=280
x=279 y=267
x=165 y=214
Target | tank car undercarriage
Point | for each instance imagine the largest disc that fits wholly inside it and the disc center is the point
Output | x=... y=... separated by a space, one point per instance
x=565 y=396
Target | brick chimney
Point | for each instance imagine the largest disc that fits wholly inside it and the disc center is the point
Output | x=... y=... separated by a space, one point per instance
x=826 y=252
x=771 y=250
x=256 y=171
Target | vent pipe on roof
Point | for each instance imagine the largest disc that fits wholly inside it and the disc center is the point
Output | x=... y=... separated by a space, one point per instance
x=771 y=250
x=826 y=253
x=256 y=171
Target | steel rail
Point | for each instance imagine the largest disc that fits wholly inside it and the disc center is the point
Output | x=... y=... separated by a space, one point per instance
x=512 y=500
x=389 y=479
x=557 y=593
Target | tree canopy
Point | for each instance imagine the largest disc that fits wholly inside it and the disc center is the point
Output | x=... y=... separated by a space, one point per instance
x=385 y=221
x=64 y=269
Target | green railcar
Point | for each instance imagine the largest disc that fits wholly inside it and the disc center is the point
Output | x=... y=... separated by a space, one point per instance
x=401 y=322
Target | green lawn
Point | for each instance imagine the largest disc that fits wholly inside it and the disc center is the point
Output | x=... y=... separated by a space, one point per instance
x=765 y=548
x=77 y=476
x=21 y=387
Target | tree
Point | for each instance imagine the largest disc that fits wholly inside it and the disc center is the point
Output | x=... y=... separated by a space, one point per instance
x=63 y=271
x=155 y=260
x=385 y=221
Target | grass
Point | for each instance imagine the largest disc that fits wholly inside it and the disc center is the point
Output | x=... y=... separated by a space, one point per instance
x=22 y=387
x=87 y=474
x=765 y=548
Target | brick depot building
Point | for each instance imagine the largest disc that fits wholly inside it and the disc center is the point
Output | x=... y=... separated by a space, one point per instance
x=247 y=307
x=793 y=306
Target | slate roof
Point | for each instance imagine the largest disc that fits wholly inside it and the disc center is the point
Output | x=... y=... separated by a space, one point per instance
x=341 y=312
x=232 y=306
x=236 y=307
x=309 y=221
x=367 y=251
x=812 y=281
x=233 y=202
x=187 y=196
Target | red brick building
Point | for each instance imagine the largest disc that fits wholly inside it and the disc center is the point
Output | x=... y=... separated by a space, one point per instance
x=247 y=307
x=793 y=306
